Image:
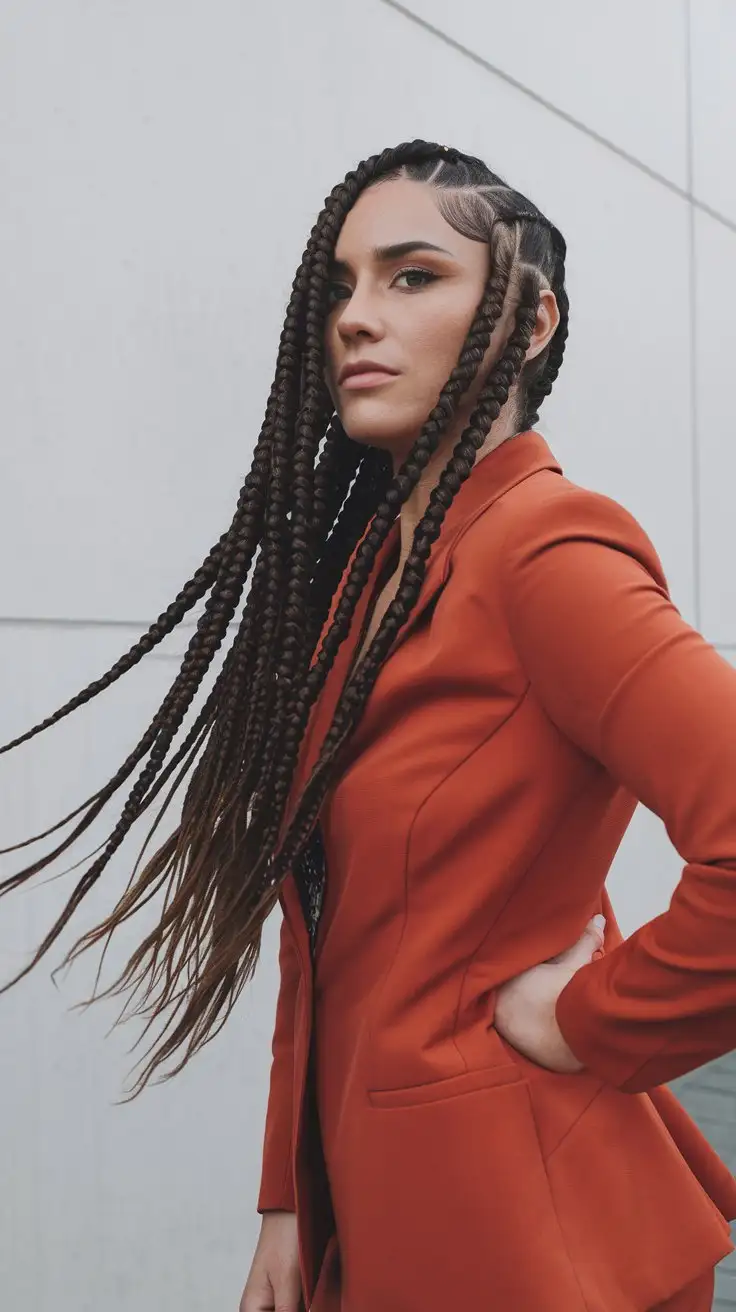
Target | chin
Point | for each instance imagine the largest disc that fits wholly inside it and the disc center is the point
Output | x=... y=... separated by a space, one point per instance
x=388 y=432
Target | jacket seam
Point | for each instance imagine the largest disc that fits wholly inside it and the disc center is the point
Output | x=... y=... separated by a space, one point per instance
x=407 y=860
x=577 y=1121
x=513 y=892
x=458 y=765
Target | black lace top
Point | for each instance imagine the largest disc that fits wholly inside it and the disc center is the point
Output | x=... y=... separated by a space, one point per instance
x=310 y=873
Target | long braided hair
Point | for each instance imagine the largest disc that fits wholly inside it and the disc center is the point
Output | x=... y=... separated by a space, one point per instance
x=313 y=512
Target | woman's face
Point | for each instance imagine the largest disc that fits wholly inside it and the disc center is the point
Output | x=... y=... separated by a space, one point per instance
x=404 y=292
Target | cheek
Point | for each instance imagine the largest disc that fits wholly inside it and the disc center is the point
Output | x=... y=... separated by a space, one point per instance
x=437 y=344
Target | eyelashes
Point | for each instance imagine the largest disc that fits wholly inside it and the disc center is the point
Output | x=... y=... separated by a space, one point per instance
x=416 y=272
x=340 y=291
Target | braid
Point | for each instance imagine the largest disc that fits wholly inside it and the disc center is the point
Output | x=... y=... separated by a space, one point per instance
x=209 y=575
x=352 y=702
x=400 y=489
x=310 y=425
x=371 y=483
x=281 y=753
x=331 y=480
x=336 y=468
x=201 y=650
x=191 y=593
x=314 y=510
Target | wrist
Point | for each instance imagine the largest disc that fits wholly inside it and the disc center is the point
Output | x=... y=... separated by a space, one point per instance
x=566 y=1061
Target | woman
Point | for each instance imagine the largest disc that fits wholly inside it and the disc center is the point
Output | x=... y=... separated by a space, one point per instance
x=454 y=675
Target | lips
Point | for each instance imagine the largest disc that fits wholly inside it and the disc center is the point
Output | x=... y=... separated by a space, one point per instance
x=360 y=367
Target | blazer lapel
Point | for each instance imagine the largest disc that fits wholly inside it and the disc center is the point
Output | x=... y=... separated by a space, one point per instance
x=493 y=476
x=489 y=480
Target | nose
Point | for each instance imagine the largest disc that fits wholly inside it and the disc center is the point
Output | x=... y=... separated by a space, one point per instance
x=360 y=317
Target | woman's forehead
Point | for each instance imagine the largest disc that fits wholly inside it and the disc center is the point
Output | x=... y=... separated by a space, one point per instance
x=392 y=212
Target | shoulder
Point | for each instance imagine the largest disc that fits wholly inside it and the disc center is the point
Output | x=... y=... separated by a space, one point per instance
x=545 y=511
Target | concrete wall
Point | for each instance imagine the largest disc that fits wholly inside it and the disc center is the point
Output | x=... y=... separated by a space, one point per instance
x=161 y=165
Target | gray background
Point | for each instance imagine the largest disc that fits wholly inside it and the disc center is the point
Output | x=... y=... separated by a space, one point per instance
x=710 y=1096
x=161 y=165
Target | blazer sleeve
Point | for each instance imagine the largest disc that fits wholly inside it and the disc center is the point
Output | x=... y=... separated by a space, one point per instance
x=277 y=1186
x=617 y=669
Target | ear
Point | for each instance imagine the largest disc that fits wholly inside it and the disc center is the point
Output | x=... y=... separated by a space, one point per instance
x=548 y=317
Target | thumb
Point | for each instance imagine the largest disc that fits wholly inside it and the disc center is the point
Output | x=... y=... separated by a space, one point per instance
x=590 y=941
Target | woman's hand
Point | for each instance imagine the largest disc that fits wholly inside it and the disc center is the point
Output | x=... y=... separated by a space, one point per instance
x=525 y=1005
x=274 y=1283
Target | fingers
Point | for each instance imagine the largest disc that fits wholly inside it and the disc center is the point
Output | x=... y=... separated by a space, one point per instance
x=274 y=1281
x=257 y=1298
x=590 y=942
x=277 y=1293
x=591 y=938
x=598 y=925
x=287 y=1289
x=286 y=1282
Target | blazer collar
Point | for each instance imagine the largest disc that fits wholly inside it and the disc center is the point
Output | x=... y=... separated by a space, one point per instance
x=494 y=475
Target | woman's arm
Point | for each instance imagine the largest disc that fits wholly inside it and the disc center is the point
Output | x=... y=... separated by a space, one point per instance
x=277 y=1187
x=617 y=669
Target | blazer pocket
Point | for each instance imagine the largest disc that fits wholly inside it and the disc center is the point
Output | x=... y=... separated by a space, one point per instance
x=453 y=1087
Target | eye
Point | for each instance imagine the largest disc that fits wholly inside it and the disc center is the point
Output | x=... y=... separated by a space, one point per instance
x=418 y=278
x=337 y=291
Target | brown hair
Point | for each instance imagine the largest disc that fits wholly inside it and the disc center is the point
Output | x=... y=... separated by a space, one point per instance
x=312 y=497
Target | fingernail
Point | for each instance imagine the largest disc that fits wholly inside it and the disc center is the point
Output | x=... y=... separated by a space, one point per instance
x=599 y=923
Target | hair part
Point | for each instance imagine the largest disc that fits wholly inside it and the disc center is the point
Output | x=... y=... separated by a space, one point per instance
x=477 y=203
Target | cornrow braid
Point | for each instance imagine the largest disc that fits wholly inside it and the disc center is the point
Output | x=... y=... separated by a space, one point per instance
x=475 y=201
x=313 y=512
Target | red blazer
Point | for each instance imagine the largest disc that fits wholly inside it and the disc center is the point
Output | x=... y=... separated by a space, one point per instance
x=543 y=684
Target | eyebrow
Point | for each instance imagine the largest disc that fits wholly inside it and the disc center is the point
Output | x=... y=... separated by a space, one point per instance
x=386 y=254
